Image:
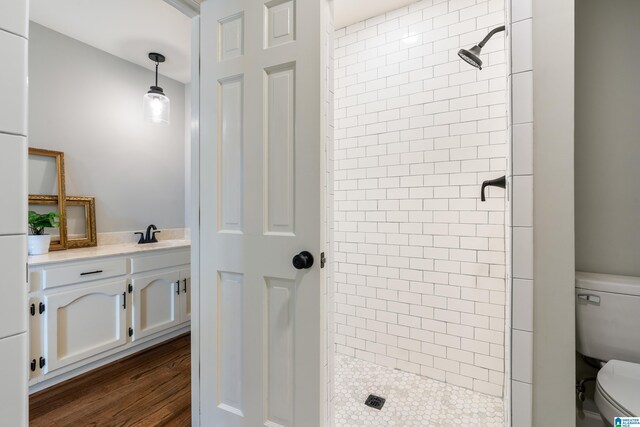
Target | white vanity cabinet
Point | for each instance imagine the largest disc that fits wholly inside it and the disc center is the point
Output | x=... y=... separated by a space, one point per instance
x=89 y=312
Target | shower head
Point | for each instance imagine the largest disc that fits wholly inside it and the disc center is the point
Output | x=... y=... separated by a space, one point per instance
x=472 y=56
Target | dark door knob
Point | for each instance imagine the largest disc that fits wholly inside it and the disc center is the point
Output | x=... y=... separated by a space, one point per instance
x=303 y=260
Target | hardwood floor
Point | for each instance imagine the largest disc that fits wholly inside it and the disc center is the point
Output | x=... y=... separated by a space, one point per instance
x=152 y=388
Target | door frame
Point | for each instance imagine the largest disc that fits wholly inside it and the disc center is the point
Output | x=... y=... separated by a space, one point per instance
x=191 y=8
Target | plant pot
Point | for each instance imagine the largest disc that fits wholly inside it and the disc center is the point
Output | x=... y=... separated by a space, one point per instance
x=38 y=244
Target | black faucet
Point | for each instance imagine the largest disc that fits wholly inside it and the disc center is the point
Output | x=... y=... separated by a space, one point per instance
x=150 y=236
x=498 y=182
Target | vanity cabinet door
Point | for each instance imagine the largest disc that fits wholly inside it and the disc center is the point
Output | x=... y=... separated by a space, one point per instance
x=185 y=295
x=84 y=322
x=156 y=303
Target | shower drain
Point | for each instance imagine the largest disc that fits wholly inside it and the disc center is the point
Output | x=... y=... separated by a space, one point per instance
x=375 y=402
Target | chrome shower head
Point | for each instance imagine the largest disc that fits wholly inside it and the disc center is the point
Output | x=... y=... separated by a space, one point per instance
x=472 y=56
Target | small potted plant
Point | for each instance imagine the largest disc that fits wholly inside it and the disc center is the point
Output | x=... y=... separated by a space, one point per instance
x=38 y=242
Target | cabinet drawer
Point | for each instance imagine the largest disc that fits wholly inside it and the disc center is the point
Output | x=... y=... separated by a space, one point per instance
x=158 y=261
x=83 y=272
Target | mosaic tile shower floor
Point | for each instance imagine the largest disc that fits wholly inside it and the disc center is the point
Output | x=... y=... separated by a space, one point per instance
x=412 y=400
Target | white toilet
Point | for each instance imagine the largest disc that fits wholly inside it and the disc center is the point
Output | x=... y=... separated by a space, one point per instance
x=608 y=329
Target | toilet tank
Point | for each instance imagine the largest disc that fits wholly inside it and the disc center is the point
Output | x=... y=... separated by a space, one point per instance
x=608 y=316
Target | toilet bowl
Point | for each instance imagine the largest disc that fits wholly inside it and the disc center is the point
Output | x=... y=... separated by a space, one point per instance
x=618 y=390
x=607 y=320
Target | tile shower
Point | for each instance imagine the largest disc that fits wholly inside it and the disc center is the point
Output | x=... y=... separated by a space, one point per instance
x=419 y=270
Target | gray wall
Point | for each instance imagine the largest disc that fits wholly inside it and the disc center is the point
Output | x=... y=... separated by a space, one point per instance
x=88 y=104
x=607 y=148
x=553 y=214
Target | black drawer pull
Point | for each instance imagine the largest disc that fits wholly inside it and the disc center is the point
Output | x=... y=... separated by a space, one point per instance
x=87 y=273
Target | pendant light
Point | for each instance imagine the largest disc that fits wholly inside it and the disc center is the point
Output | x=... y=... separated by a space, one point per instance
x=155 y=103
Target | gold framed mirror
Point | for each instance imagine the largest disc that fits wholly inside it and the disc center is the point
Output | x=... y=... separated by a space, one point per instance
x=81 y=222
x=47 y=179
x=81 y=218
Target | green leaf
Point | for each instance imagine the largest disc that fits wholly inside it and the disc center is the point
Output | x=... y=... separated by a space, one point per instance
x=38 y=222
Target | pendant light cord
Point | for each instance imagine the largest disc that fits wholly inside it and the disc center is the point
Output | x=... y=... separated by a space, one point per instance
x=156 y=73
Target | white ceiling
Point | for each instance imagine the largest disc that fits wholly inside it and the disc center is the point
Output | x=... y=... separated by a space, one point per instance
x=129 y=29
x=347 y=12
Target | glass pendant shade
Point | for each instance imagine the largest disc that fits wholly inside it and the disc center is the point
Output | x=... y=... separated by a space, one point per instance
x=156 y=108
x=155 y=104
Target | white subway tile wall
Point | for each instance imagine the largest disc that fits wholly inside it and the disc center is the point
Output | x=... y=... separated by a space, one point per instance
x=14 y=403
x=419 y=259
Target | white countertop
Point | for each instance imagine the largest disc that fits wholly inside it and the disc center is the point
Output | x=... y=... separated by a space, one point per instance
x=104 y=251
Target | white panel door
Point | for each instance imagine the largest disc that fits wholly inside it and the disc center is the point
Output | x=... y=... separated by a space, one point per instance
x=84 y=322
x=156 y=303
x=260 y=196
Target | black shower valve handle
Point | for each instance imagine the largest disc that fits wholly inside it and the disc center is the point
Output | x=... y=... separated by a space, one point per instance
x=498 y=182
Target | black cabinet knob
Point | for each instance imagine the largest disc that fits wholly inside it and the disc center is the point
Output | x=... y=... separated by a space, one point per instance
x=303 y=260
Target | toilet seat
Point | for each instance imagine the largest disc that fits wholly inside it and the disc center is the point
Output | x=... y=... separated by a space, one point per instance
x=618 y=390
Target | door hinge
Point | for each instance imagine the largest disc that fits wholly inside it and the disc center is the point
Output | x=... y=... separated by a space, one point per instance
x=43 y=362
x=130 y=288
x=33 y=365
x=32 y=309
x=130 y=332
x=323 y=260
x=41 y=308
